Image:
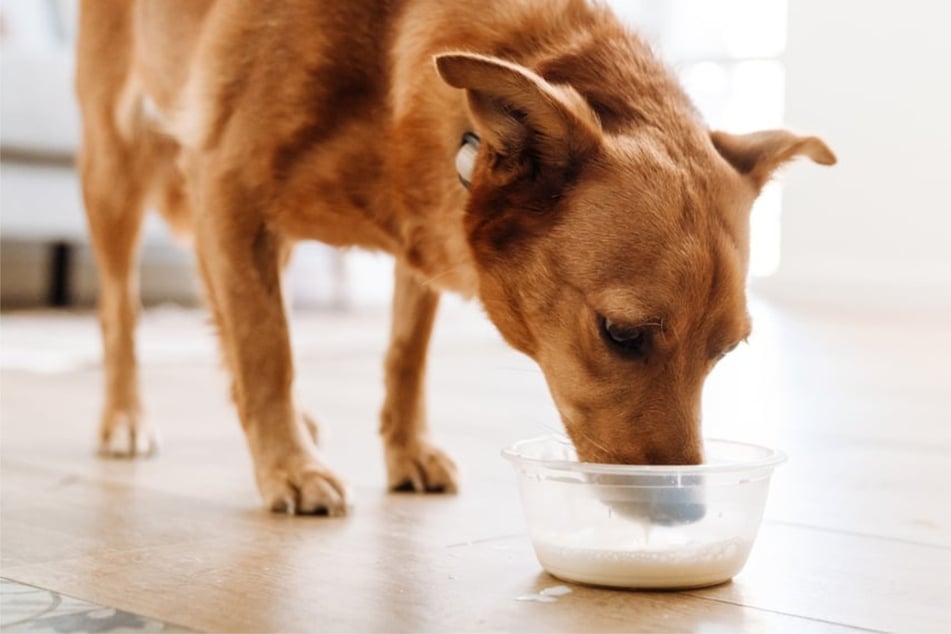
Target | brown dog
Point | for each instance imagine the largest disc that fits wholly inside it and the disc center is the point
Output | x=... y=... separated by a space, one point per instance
x=605 y=230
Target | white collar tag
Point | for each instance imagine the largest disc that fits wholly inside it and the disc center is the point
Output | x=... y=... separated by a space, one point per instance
x=466 y=157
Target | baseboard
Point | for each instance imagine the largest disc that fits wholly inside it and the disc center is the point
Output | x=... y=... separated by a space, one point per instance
x=168 y=275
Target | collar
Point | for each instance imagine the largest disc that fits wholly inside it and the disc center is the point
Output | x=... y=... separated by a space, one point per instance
x=465 y=158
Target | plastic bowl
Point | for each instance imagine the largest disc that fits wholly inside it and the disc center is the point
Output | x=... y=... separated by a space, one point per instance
x=643 y=526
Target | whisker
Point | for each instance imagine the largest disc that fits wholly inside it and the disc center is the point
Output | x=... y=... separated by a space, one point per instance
x=580 y=430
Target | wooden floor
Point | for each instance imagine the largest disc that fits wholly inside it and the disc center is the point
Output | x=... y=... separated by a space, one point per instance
x=857 y=534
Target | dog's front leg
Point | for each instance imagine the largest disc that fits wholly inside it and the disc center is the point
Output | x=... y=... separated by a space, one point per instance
x=413 y=463
x=240 y=260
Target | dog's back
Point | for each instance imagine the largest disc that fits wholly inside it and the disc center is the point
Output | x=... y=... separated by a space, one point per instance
x=338 y=94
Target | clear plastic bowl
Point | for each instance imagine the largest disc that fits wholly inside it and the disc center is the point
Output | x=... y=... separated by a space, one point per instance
x=643 y=526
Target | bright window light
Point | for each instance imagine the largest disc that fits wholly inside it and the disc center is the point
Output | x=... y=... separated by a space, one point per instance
x=727 y=56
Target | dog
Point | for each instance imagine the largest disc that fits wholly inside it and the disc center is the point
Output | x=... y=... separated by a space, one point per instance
x=532 y=154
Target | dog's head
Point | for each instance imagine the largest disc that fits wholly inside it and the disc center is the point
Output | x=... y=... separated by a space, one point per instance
x=616 y=259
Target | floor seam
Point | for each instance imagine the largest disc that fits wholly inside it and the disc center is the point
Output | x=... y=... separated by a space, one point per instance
x=789 y=614
x=851 y=533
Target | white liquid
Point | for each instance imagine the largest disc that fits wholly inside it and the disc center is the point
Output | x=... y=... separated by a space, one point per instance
x=548 y=595
x=685 y=566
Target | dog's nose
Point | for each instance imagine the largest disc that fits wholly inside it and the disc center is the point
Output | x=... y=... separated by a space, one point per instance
x=664 y=500
x=683 y=501
x=678 y=505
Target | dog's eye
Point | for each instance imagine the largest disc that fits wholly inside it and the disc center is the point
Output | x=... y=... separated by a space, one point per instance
x=631 y=341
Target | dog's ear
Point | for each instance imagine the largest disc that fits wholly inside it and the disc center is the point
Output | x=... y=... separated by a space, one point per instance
x=757 y=155
x=521 y=117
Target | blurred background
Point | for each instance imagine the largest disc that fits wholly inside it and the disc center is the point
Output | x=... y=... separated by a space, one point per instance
x=869 y=77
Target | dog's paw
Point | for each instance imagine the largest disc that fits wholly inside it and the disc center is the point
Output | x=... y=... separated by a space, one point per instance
x=125 y=434
x=302 y=486
x=420 y=468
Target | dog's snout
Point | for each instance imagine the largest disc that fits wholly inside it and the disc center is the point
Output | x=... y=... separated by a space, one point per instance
x=638 y=451
x=677 y=455
x=671 y=452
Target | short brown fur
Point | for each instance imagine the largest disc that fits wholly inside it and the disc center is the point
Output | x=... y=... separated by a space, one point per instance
x=598 y=197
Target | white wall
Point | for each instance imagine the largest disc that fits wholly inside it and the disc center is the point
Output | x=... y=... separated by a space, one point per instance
x=874 y=79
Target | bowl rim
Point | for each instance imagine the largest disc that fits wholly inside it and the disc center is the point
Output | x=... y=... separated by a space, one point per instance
x=772 y=458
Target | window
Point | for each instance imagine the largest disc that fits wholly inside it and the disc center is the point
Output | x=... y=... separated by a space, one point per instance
x=727 y=54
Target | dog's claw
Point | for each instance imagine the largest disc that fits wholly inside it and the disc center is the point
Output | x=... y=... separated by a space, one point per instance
x=420 y=468
x=282 y=505
x=124 y=434
x=406 y=486
x=306 y=490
